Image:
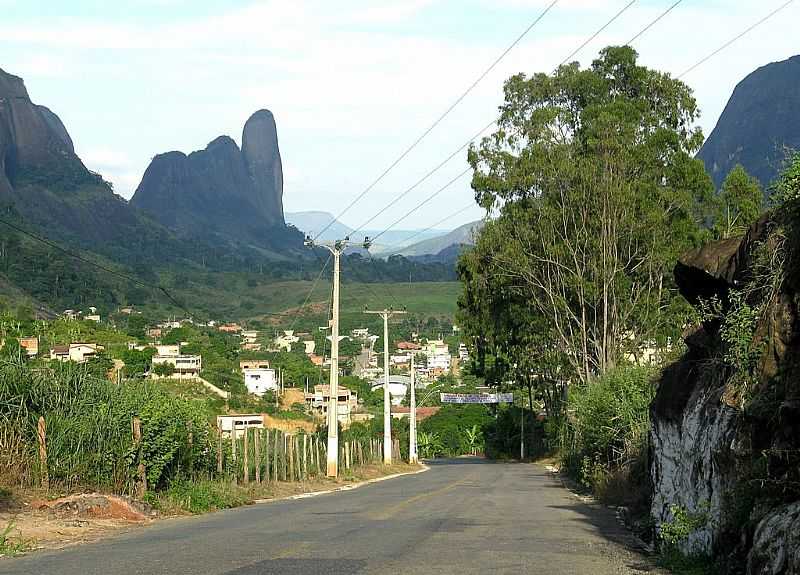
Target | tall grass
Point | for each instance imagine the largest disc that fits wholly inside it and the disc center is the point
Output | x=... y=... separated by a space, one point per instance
x=89 y=438
x=604 y=436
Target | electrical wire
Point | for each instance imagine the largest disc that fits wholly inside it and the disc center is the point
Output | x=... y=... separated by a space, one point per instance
x=598 y=32
x=653 y=23
x=423 y=202
x=443 y=116
x=734 y=39
x=310 y=292
x=79 y=257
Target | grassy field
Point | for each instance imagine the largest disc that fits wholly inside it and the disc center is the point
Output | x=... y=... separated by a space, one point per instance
x=234 y=296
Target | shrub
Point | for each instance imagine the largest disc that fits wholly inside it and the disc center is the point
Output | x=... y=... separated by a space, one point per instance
x=607 y=422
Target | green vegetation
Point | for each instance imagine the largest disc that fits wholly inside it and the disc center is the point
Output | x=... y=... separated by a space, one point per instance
x=197 y=496
x=88 y=423
x=11 y=545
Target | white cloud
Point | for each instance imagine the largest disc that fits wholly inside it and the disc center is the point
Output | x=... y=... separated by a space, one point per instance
x=348 y=98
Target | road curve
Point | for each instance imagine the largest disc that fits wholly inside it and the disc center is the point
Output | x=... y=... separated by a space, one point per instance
x=463 y=516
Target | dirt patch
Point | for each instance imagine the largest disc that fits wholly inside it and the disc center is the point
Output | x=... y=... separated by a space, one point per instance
x=96 y=505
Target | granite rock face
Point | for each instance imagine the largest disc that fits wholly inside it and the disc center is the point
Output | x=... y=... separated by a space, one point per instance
x=760 y=122
x=221 y=190
x=734 y=462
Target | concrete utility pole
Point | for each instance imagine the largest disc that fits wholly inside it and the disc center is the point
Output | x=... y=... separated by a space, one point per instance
x=412 y=425
x=332 y=469
x=387 y=399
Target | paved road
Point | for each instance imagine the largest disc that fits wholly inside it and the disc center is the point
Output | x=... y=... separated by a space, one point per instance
x=463 y=516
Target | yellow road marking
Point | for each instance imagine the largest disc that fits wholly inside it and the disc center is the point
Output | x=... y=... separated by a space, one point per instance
x=389 y=512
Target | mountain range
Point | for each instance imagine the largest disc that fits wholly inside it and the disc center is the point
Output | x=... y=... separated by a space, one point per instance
x=314 y=222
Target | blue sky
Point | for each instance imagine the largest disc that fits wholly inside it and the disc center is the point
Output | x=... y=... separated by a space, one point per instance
x=351 y=83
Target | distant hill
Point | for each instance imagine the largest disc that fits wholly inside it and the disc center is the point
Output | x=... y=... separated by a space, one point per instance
x=312 y=222
x=462 y=235
x=759 y=123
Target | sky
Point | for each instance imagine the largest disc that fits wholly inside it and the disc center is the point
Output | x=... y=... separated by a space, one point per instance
x=351 y=83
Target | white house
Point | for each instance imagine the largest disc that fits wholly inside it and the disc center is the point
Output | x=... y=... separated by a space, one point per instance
x=185 y=366
x=77 y=352
x=249 y=336
x=398 y=386
x=259 y=380
x=286 y=340
x=168 y=350
x=311 y=345
x=228 y=423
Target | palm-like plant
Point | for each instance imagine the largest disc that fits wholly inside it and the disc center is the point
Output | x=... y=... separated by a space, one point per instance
x=429 y=444
x=474 y=439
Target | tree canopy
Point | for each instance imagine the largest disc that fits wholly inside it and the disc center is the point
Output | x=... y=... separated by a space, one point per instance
x=592 y=175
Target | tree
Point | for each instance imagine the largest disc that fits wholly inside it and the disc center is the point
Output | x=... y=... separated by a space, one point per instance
x=163 y=369
x=740 y=200
x=592 y=172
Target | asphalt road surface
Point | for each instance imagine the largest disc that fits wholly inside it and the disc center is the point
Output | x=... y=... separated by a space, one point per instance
x=462 y=516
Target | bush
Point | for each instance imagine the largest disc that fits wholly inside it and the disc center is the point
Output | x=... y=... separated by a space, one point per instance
x=197 y=496
x=607 y=423
x=88 y=420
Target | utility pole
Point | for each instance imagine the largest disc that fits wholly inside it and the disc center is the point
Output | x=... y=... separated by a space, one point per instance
x=387 y=400
x=336 y=248
x=412 y=425
x=522 y=432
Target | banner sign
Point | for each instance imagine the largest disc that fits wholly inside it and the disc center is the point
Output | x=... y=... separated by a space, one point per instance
x=476 y=398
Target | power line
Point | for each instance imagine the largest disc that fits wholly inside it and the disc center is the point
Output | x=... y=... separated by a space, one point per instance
x=422 y=203
x=653 y=23
x=443 y=116
x=311 y=291
x=578 y=49
x=99 y=266
x=430 y=227
x=735 y=38
x=423 y=178
x=598 y=32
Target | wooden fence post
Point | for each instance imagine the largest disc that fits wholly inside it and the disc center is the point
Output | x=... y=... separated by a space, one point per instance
x=245 y=454
x=266 y=456
x=141 y=488
x=305 y=456
x=219 y=452
x=291 y=458
x=42 y=436
x=257 y=454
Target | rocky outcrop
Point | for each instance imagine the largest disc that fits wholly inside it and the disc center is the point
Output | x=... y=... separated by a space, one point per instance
x=758 y=125
x=734 y=462
x=221 y=190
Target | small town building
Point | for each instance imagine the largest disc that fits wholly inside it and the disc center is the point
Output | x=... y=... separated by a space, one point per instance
x=347 y=402
x=249 y=336
x=30 y=345
x=230 y=328
x=360 y=333
x=284 y=342
x=168 y=350
x=250 y=346
x=408 y=346
x=133 y=346
x=310 y=346
x=92 y=317
x=253 y=364
x=185 y=366
x=78 y=352
x=258 y=381
x=398 y=386
x=228 y=423
x=154 y=332
x=126 y=310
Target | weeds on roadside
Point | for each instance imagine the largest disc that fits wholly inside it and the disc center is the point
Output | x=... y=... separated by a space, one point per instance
x=9 y=545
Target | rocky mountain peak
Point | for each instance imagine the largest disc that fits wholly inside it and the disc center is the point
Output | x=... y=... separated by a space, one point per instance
x=220 y=190
x=759 y=124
